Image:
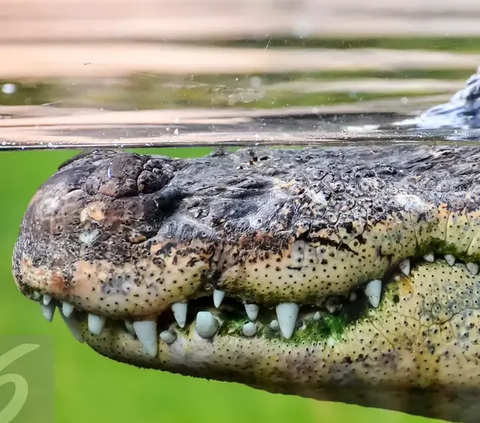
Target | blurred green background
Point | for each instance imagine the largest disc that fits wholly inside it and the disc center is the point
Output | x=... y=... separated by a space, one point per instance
x=92 y=388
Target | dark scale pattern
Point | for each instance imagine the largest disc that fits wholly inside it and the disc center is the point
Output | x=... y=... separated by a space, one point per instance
x=297 y=225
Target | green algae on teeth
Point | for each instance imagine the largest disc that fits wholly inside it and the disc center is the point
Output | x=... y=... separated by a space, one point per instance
x=207 y=325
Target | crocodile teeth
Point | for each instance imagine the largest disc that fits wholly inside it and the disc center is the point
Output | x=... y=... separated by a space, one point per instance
x=249 y=329
x=287 y=318
x=67 y=309
x=129 y=327
x=168 y=337
x=473 y=268
x=96 y=324
x=46 y=299
x=218 y=297
x=274 y=325
x=316 y=316
x=252 y=311
x=180 y=313
x=48 y=310
x=404 y=266
x=332 y=304
x=74 y=327
x=352 y=297
x=206 y=324
x=146 y=331
x=450 y=259
x=429 y=257
x=373 y=291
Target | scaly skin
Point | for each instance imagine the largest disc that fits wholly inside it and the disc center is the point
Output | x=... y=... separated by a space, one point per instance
x=125 y=236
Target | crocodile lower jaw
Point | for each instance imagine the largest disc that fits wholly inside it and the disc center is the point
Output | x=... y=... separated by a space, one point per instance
x=419 y=347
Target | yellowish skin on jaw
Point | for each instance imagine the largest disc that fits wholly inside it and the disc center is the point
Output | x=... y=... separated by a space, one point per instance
x=426 y=331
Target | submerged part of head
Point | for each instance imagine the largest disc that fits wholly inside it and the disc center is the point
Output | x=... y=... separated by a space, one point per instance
x=265 y=250
x=418 y=352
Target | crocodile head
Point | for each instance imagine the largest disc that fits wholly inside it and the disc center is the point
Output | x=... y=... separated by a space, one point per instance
x=344 y=274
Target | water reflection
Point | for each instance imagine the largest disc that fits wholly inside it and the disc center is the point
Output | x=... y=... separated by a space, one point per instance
x=160 y=73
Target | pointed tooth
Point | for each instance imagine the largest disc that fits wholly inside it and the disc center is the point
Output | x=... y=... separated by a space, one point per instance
x=373 y=291
x=74 y=327
x=46 y=299
x=252 y=311
x=352 y=297
x=206 y=324
x=67 y=309
x=146 y=331
x=450 y=259
x=332 y=304
x=429 y=257
x=473 y=268
x=48 y=310
x=404 y=266
x=96 y=324
x=180 y=313
x=317 y=316
x=218 y=297
x=129 y=327
x=274 y=325
x=168 y=337
x=249 y=329
x=287 y=318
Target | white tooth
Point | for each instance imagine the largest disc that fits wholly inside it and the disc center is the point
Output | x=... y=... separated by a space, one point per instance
x=129 y=327
x=249 y=329
x=168 y=337
x=317 y=316
x=206 y=324
x=46 y=299
x=352 y=297
x=67 y=309
x=287 y=318
x=96 y=324
x=36 y=296
x=74 y=327
x=146 y=331
x=252 y=311
x=429 y=257
x=274 y=325
x=48 y=311
x=331 y=305
x=405 y=266
x=373 y=291
x=180 y=313
x=473 y=268
x=450 y=259
x=218 y=297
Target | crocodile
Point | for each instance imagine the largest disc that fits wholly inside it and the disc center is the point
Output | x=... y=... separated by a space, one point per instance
x=347 y=274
